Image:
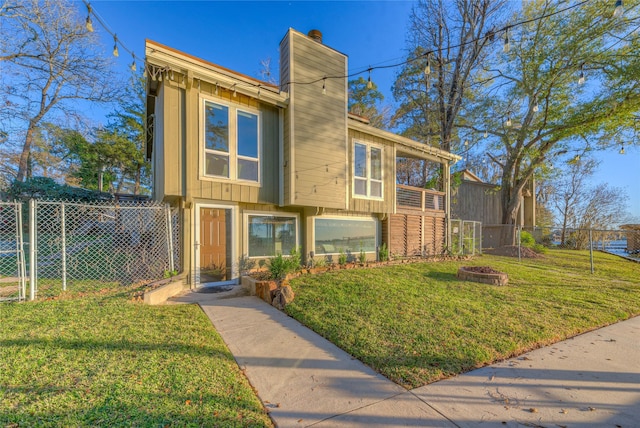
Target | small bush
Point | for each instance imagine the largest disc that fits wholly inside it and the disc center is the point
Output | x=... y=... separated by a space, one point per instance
x=362 y=257
x=342 y=258
x=279 y=267
x=539 y=248
x=527 y=239
x=383 y=253
x=295 y=259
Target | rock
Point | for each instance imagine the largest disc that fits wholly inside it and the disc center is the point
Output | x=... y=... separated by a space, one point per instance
x=282 y=296
x=264 y=290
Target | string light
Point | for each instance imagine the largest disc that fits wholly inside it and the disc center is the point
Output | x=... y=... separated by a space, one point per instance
x=486 y=133
x=324 y=86
x=536 y=107
x=507 y=46
x=427 y=69
x=88 y=22
x=621 y=150
x=369 y=82
x=619 y=9
x=235 y=92
x=115 y=46
x=133 y=64
x=508 y=122
x=581 y=78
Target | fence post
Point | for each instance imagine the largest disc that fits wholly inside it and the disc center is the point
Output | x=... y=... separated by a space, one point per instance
x=591 y=251
x=22 y=273
x=481 y=236
x=64 y=247
x=32 y=249
x=167 y=210
x=519 y=240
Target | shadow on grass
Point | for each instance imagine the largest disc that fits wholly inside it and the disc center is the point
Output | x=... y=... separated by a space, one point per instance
x=124 y=345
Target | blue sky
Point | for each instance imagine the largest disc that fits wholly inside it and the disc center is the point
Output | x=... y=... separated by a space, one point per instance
x=239 y=34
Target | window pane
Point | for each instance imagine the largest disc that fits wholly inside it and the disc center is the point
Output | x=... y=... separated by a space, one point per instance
x=350 y=236
x=247 y=134
x=217 y=165
x=376 y=189
x=360 y=187
x=376 y=163
x=247 y=170
x=216 y=127
x=270 y=235
x=360 y=161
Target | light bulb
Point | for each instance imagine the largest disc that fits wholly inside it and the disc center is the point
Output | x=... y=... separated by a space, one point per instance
x=115 y=47
x=427 y=69
x=536 y=107
x=324 y=87
x=508 y=122
x=133 y=65
x=619 y=10
x=621 y=150
x=235 y=92
x=486 y=133
x=507 y=46
x=89 y=24
x=581 y=78
x=466 y=143
x=369 y=82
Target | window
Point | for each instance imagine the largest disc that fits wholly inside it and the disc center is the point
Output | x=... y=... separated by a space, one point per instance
x=335 y=235
x=231 y=143
x=367 y=171
x=270 y=235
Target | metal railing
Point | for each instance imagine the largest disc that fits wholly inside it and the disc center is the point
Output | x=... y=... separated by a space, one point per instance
x=419 y=199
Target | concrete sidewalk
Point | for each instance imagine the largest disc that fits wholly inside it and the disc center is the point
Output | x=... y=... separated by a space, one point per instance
x=592 y=380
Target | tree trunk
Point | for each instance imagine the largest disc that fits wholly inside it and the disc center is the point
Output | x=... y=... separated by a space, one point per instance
x=23 y=165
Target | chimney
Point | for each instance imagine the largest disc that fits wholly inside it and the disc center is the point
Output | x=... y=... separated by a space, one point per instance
x=315 y=35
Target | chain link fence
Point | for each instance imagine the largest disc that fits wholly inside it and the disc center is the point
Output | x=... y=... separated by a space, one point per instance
x=88 y=246
x=466 y=237
x=528 y=242
x=12 y=260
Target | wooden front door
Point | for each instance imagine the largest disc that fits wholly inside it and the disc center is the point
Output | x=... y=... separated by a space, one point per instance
x=215 y=245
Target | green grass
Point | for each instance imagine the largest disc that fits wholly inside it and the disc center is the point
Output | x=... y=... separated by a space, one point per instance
x=416 y=323
x=105 y=360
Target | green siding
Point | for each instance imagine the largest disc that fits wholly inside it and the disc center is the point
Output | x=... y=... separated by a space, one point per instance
x=317 y=125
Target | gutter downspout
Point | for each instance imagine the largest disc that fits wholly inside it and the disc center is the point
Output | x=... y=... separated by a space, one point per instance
x=447 y=204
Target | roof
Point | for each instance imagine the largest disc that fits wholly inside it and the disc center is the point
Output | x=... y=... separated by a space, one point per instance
x=407 y=145
x=197 y=68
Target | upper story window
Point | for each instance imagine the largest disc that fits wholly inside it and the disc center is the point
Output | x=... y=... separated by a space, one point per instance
x=231 y=142
x=367 y=171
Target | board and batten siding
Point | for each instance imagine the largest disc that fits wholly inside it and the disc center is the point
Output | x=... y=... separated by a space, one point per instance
x=315 y=148
x=183 y=164
x=360 y=204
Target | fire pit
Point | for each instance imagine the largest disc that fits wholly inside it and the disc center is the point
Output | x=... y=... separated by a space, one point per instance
x=483 y=274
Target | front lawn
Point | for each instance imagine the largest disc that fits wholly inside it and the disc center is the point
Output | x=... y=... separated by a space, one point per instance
x=101 y=359
x=416 y=323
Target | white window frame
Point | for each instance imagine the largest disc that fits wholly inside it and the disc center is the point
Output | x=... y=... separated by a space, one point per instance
x=368 y=178
x=375 y=220
x=245 y=229
x=233 y=142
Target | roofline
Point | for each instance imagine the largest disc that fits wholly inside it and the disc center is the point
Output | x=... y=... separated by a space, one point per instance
x=430 y=151
x=166 y=56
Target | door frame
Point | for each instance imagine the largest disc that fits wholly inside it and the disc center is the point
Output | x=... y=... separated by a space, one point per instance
x=234 y=244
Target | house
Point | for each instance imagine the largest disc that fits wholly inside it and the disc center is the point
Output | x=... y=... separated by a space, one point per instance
x=260 y=169
x=475 y=200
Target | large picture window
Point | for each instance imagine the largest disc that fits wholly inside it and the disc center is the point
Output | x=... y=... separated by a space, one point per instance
x=335 y=235
x=269 y=235
x=231 y=142
x=367 y=171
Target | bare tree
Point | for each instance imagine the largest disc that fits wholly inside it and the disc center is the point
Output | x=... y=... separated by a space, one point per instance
x=50 y=64
x=569 y=191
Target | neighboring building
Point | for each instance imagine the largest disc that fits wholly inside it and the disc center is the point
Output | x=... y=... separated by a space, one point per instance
x=476 y=200
x=259 y=169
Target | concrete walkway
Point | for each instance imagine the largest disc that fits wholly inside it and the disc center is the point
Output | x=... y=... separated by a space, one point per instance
x=592 y=380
